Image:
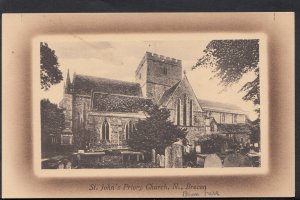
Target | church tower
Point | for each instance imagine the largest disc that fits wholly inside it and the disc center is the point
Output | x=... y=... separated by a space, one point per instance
x=156 y=74
x=67 y=102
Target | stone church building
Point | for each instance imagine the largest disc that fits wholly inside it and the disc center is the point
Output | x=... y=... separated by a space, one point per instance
x=102 y=112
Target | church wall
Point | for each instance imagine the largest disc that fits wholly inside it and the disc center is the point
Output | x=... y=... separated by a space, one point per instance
x=79 y=119
x=67 y=105
x=155 y=91
x=116 y=127
x=156 y=73
x=141 y=76
x=241 y=118
x=229 y=117
x=198 y=117
x=216 y=116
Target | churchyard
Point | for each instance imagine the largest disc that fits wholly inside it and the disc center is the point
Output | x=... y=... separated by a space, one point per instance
x=176 y=155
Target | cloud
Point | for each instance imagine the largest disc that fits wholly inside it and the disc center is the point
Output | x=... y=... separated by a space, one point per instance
x=84 y=49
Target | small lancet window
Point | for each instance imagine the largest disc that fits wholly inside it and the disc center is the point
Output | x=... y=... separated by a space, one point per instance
x=105 y=130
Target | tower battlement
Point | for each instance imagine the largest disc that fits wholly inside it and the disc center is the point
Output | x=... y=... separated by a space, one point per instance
x=162 y=58
x=158 y=58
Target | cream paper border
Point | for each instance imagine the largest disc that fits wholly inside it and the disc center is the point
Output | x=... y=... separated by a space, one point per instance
x=19 y=175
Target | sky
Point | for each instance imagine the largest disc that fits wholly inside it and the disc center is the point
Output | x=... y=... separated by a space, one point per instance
x=118 y=59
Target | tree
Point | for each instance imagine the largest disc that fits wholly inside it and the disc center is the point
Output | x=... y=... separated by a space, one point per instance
x=230 y=60
x=52 y=123
x=155 y=132
x=50 y=72
x=213 y=143
x=255 y=131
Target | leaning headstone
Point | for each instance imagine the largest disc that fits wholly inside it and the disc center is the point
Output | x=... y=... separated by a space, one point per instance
x=198 y=149
x=224 y=147
x=162 y=161
x=157 y=159
x=177 y=155
x=153 y=155
x=237 y=160
x=213 y=161
x=168 y=157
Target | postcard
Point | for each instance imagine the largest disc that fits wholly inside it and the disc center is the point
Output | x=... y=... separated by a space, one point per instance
x=143 y=113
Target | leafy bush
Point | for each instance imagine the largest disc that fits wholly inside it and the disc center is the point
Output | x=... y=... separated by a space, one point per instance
x=215 y=142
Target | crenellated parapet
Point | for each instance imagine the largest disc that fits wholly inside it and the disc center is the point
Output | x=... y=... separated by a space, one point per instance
x=158 y=58
x=161 y=58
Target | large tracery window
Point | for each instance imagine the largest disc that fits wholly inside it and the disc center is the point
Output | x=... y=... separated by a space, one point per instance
x=105 y=130
x=191 y=112
x=184 y=109
x=178 y=111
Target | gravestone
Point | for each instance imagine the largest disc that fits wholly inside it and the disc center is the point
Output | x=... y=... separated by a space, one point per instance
x=224 y=147
x=61 y=166
x=247 y=145
x=162 y=161
x=168 y=157
x=252 y=151
x=153 y=155
x=157 y=159
x=177 y=155
x=245 y=161
x=213 y=161
x=198 y=149
x=237 y=160
x=200 y=161
x=187 y=149
x=143 y=157
x=68 y=165
x=80 y=151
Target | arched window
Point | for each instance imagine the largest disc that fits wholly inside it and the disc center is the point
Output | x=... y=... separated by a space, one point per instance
x=191 y=112
x=223 y=117
x=105 y=130
x=178 y=111
x=184 y=109
x=129 y=128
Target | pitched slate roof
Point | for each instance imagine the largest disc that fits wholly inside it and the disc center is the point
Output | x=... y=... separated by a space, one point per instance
x=167 y=94
x=234 y=128
x=119 y=103
x=84 y=85
x=219 y=107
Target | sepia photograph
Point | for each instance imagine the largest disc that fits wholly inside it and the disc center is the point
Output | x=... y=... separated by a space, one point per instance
x=150 y=104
